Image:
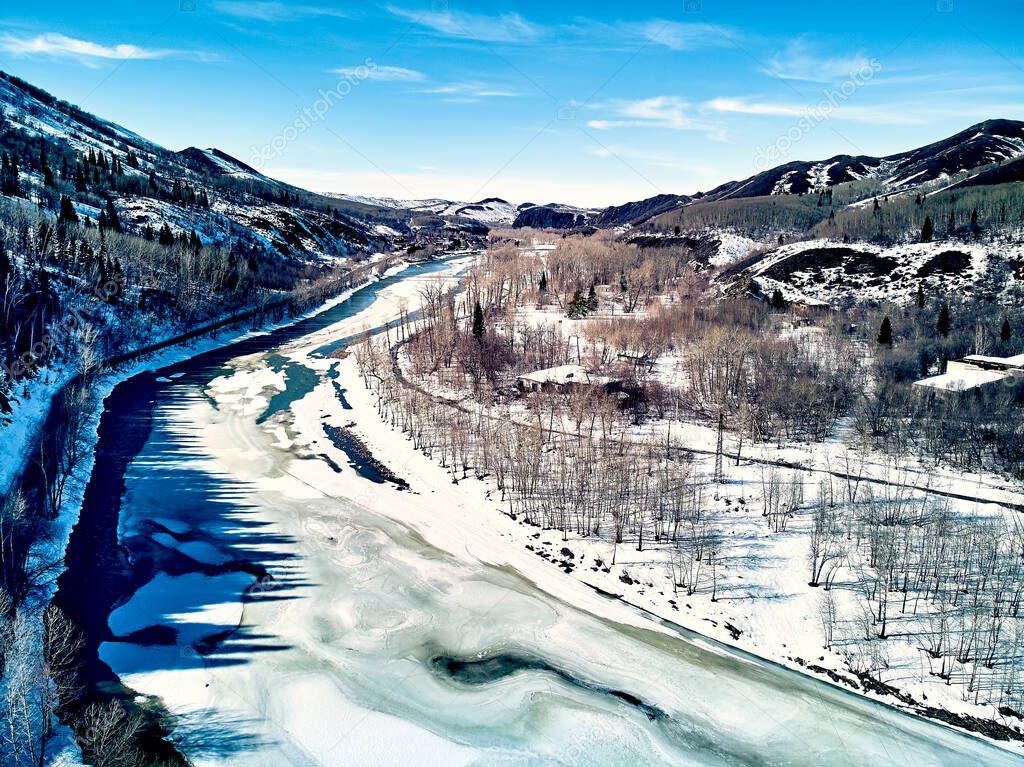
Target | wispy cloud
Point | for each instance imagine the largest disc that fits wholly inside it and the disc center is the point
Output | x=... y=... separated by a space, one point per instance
x=506 y=28
x=742 y=106
x=469 y=93
x=273 y=11
x=884 y=115
x=657 y=112
x=54 y=44
x=798 y=62
x=680 y=36
x=382 y=73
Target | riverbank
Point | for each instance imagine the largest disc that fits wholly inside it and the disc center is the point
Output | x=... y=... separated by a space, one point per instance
x=770 y=624
x=159 y=355
x=413 y=621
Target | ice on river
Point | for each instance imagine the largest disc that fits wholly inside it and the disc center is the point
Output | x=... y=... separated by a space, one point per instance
x=399 y=628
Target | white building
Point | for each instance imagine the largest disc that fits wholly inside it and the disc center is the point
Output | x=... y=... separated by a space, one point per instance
x=563 y=378
x=974 y=372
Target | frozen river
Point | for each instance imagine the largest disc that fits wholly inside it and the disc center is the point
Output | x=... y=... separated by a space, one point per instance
x=289 y=609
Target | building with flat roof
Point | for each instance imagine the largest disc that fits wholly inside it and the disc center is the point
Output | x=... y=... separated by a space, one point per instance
x=974 y=372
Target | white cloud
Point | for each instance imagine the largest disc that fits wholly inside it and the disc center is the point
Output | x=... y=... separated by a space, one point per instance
x=680 y=36
x=467 y=93
x=826 y=108
x=798 y=62
x=383 y=73
x=742 y=106
x=657 y=112
x=273 y=11
x=54 y=44
x=506 y=28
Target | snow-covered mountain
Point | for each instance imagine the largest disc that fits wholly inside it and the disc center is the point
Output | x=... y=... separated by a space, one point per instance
x=990 y=152
x=970 y=150
x=492 y=211
x=554 y=216
x=207 y=191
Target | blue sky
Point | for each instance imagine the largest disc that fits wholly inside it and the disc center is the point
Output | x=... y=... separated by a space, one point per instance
x=592 y=103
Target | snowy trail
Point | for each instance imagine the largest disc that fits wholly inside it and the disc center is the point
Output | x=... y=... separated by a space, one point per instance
x=405 y=627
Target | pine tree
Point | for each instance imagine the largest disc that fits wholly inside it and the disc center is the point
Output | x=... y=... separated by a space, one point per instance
x=576 y=306
x=67 y=211
x=166 y=235
x=874 y=210
x=148 y=232
x=778 y=300
x=113 y=222
x=927 y=230
x=80 y=185
x=975 y=229
x=478 y=321
x=920 y=296
x=942 y=324
x=951 y=224
x=1006 y=332
x=153 y=187
x=885 y=332
x=543 y=286
x=592 y=302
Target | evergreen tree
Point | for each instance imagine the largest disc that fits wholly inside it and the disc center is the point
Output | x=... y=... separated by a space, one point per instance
x=67 y=211
x=10 y=183
x=885 y=332
x=154 y=189
x=975 y=229
x=778 y=301
x=592 y=302
x=942 y=324
x=874 y=210
x=113 y=222
x=166 y=235
x=543 y=286
x=148 y=232
x=80 y=185
x=951 y=224
x=927 y=230
x=577 y=307
x=920 y=296
x=1006 y=332
x=478 y=321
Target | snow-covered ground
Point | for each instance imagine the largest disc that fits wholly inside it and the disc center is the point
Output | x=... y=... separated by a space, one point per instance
x=30 y=414
x=830 y=271
x=331 y=660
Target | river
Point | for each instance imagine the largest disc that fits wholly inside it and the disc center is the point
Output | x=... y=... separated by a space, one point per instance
x=290 y=607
